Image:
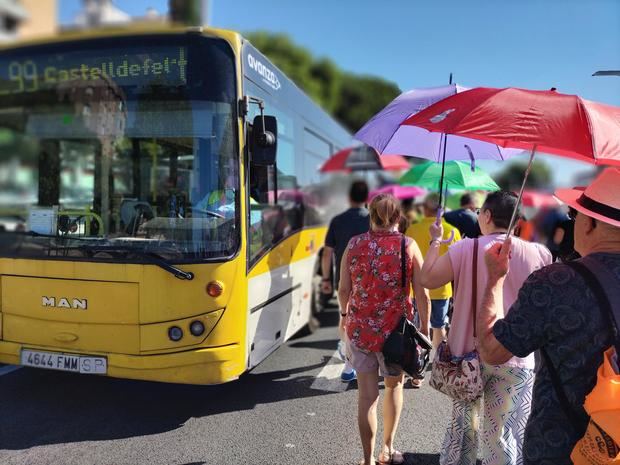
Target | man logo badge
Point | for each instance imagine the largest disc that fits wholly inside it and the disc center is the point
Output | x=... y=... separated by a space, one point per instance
x=63 y=302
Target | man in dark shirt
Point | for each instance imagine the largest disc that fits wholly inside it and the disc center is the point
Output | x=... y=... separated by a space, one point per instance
x=557 y=311
x=465 y=219
x=342 y=228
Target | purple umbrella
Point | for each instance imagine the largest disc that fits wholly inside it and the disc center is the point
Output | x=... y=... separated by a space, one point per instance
x=385 y=133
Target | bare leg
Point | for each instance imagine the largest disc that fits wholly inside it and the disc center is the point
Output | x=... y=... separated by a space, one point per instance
x=439 y=334
x=392 y=406
x=368 y=397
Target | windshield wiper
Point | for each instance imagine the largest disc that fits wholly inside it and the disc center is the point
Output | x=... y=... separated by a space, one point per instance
x=149 y=256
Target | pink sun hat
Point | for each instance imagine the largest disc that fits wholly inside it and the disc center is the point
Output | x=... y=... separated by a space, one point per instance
x=600 y=200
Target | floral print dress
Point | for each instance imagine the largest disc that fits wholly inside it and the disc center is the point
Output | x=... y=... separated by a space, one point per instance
x=377 y=300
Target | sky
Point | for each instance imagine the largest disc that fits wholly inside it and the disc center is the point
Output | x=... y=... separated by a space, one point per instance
x=535 y=44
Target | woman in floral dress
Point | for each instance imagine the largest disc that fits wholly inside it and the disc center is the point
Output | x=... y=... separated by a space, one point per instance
x=373 y=301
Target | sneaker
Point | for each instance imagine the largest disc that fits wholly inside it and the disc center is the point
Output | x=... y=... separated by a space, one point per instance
x=348 y=375
x=341 y=351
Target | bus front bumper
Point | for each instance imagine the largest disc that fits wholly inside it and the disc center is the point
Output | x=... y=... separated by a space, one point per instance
x=214 y=365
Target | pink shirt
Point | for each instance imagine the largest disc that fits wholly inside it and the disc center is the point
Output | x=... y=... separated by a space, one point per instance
x=526 y=257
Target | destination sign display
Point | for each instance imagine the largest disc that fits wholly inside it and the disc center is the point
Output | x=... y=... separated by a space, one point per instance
x=157 y=65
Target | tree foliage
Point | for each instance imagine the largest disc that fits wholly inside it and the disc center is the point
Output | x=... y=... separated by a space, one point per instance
x=350 y=98
x=188 y=12
x=511 y=177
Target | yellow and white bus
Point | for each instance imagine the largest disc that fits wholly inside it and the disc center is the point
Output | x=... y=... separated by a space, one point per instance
x=161 y=211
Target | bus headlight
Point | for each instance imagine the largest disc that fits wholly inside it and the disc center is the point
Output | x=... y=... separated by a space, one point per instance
x=196 y=328
x=175 y=333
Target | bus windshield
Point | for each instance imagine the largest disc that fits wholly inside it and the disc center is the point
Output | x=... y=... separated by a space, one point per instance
x=115 y=145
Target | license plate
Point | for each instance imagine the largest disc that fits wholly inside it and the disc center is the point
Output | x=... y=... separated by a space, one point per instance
x=65 y=362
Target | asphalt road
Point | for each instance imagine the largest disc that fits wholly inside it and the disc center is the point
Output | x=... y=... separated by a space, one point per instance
x=291 y=409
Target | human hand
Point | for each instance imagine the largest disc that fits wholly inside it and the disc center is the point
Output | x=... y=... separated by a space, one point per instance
x=436 y=231
x=326 y=287
x=424 y=330
x=496 y=259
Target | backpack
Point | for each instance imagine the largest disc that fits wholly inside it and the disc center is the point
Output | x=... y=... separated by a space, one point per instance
x=600 y=444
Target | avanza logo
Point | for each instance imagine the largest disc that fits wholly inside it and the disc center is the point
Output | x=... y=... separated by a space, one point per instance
x=269 y=77
x=64 y=302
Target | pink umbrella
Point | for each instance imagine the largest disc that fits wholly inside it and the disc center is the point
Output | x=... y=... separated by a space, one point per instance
x=400 y=192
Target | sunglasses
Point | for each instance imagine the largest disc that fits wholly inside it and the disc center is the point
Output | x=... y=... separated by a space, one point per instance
x=572 y=213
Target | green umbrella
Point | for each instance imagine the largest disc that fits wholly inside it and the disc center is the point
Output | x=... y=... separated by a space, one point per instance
x=458 y=175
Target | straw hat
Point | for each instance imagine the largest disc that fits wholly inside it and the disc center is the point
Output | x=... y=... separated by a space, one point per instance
x=600 y=200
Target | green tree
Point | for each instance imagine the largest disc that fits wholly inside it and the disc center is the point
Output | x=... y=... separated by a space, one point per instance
x=188 y=12
x=511 y=177
x=361 y=97
x=350 y=98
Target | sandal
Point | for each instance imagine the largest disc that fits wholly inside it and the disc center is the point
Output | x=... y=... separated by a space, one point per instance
x=416 y=383
x=362 y=462
x=391 y=458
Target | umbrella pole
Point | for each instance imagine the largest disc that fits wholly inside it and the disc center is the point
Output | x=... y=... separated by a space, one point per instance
x=443 y=169
x=513 y=219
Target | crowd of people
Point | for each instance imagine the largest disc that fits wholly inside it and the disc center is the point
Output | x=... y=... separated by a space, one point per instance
x=537 y=324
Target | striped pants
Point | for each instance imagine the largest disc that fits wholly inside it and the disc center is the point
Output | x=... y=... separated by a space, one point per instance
x=506 y=405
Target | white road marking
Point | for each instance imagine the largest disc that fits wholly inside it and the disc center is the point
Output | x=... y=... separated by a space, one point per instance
x=8 y=369
x=329 y=377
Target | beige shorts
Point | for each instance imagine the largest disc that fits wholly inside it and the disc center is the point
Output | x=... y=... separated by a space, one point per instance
x=368 y=362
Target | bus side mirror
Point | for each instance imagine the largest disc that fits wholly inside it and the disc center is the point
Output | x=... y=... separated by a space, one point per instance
x=264 y=140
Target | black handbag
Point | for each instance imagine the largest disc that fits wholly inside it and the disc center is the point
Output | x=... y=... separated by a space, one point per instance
x=406 y=346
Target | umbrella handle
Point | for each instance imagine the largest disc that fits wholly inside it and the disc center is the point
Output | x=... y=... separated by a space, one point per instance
x=438 y=222
x=449 y=239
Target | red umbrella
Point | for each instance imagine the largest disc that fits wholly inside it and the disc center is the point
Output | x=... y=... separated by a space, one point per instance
x=544 y=121
x=538 y=199
x=363 y=158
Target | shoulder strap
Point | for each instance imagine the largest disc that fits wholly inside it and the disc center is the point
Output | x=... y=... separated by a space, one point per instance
x=403 y=261
x=559 y=391
x=606 y=288
x=474 y=283
x=602 y=282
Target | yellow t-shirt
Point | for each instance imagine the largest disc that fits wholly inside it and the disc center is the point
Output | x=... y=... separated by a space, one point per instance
x=419 y=233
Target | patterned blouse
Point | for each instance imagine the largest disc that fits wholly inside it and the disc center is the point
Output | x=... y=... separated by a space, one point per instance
x=377 y=299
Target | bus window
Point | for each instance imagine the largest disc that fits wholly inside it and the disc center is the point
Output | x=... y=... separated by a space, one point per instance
x=126 y=143
x=278 y=204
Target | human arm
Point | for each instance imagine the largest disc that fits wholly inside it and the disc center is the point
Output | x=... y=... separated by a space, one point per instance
x=326 y=259
x=344 y=285
x=437 y=270
x=326 y=267
x=491 y=309
x=421 y=294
